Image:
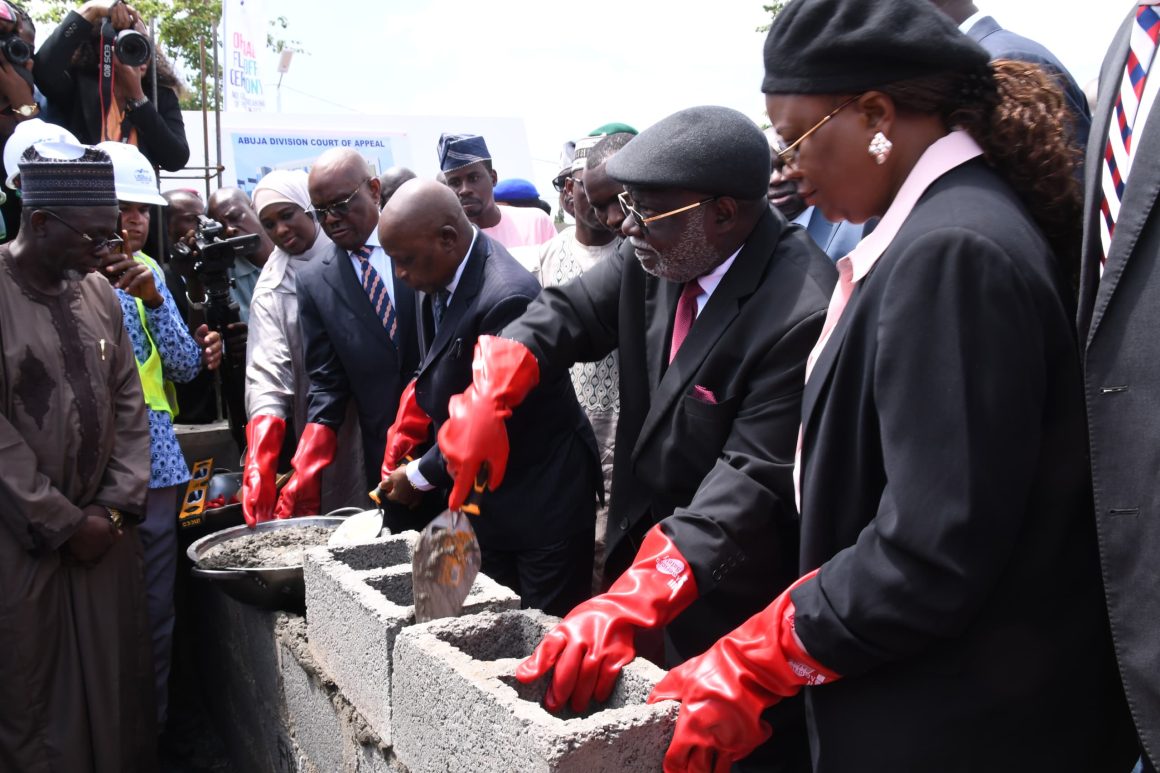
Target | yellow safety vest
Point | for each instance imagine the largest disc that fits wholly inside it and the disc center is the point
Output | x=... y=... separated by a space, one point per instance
x=160 y=395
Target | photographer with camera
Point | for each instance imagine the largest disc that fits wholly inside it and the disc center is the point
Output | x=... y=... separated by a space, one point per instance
x=17 y=99
x=97 y=71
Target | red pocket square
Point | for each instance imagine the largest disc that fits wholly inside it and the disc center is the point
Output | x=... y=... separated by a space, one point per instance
x=704 y=395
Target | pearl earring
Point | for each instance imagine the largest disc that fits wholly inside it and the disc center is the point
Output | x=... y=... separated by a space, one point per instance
x=880 y=147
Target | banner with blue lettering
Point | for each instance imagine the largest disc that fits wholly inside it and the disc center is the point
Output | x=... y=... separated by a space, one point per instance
x=244 y=39
x=258 y=152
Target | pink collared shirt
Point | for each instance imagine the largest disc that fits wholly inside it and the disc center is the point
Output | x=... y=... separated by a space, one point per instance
x=953 y=150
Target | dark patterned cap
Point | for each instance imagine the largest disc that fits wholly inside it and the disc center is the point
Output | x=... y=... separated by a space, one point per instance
x=459 y=150
x=844 y=46
x=63 y=175
x=712 y=150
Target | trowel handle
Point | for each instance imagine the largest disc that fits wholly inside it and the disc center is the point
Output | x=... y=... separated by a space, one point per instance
x=471 y=506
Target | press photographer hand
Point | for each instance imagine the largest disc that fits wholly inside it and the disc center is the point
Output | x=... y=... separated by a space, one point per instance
x=121 y=15
x=134 y=278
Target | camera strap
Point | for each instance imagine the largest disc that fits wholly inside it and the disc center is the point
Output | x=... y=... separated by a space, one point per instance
x=105 y=78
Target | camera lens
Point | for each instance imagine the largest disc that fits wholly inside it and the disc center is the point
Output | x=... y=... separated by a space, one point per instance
x=15 y=50
x=133 y=48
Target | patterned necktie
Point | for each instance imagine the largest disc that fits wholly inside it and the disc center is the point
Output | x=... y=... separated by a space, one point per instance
x=1118 y=151
x=686 y=315
x=376 y=291
x=439 y=307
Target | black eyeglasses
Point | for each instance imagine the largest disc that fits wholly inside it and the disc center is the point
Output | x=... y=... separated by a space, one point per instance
x=560 y=180
x=642 y=221
x=339 y=209
x=98 y=245
x=789 y=154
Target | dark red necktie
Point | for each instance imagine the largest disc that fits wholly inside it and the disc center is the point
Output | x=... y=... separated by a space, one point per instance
x=686 y=314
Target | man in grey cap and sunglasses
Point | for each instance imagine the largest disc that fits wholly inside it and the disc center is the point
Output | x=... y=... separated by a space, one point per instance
x=715 y=301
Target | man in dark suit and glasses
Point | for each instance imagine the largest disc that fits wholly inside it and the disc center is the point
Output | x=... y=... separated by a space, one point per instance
x=358 y=328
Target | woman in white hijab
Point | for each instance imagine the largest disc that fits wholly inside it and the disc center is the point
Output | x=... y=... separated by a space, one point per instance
x=277 y=382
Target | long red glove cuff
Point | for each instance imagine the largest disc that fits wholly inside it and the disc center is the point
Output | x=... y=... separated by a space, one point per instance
x=655 y=589
x=303 y=494
x=409 y=430
x=762 y=657
x=503 y=372
x=264 y=436
x=724 y=690
x=587 y=650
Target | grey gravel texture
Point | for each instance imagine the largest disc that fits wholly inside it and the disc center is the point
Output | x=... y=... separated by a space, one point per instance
x=358 y=598
x=457 y=705
x=265 y=549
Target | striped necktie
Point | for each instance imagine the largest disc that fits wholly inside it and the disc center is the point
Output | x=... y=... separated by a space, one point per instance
x=1118 y=152
x=376 y=291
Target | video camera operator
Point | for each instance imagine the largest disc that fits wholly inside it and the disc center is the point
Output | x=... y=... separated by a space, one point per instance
x=205 y=256
x=114 y=102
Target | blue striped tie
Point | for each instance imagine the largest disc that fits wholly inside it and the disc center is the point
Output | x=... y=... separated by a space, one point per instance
x=376 y=291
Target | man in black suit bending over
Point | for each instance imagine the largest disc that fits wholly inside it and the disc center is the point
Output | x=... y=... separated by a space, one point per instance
x=536 y=533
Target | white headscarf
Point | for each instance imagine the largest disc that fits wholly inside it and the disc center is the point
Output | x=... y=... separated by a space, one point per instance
x=279 y=186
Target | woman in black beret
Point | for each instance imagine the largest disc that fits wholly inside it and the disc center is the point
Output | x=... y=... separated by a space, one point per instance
x=952 y=615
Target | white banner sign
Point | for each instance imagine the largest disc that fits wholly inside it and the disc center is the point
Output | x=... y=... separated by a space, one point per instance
x=244 y=39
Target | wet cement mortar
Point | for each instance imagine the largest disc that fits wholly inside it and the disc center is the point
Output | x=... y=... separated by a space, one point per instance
x=265 y=549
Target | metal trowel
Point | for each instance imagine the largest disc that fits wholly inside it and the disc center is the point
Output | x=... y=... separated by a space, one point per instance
x=446 y=559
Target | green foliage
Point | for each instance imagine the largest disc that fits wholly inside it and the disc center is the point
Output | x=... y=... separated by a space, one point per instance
x=773 y=9
x=182 y=26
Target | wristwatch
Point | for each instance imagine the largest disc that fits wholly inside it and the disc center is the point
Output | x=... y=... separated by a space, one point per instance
x=26 y=111
x=133 y=104
x=116 y=517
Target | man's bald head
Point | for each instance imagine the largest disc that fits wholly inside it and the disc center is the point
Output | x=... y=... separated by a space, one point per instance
x=426 y=232
x=345 y=192
x=390 y=180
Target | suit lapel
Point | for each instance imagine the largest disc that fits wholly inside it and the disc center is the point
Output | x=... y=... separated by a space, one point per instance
x=469 y=283
x=341 y=277
x=739 y=282
x=660 y=306
x=826 y=358
x=1139 y=195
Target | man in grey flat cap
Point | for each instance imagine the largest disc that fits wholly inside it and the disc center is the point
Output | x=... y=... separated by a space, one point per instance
x=716 y=302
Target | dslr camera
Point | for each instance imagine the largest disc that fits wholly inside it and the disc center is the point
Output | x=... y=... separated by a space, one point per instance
x=15 y=50
x=129 y=46
x=212 y=253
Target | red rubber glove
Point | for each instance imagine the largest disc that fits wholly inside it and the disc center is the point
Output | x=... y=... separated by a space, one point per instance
x=303 y=494
x=595 y=641
x=503 y=372
x=264 y=436
x=408 y=431
x=724 y=690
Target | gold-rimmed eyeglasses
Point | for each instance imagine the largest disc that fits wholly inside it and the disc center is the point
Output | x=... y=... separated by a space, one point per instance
x=98 y=245
x=642 y=221
x=789 y=154
x=338 y=209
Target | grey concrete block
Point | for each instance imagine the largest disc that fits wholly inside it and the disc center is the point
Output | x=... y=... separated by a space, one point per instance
x=358 y=598
x=458 y=707
x=328 y=733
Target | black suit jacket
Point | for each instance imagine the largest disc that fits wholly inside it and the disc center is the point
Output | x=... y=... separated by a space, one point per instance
x=716 y=475
x=1119 y=320
x=1004 y=44
x=549 y=487
x=946 y=498
x=71 y=93
x=349 y=354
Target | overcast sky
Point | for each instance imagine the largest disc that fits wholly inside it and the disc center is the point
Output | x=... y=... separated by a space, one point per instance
x=566 y=68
